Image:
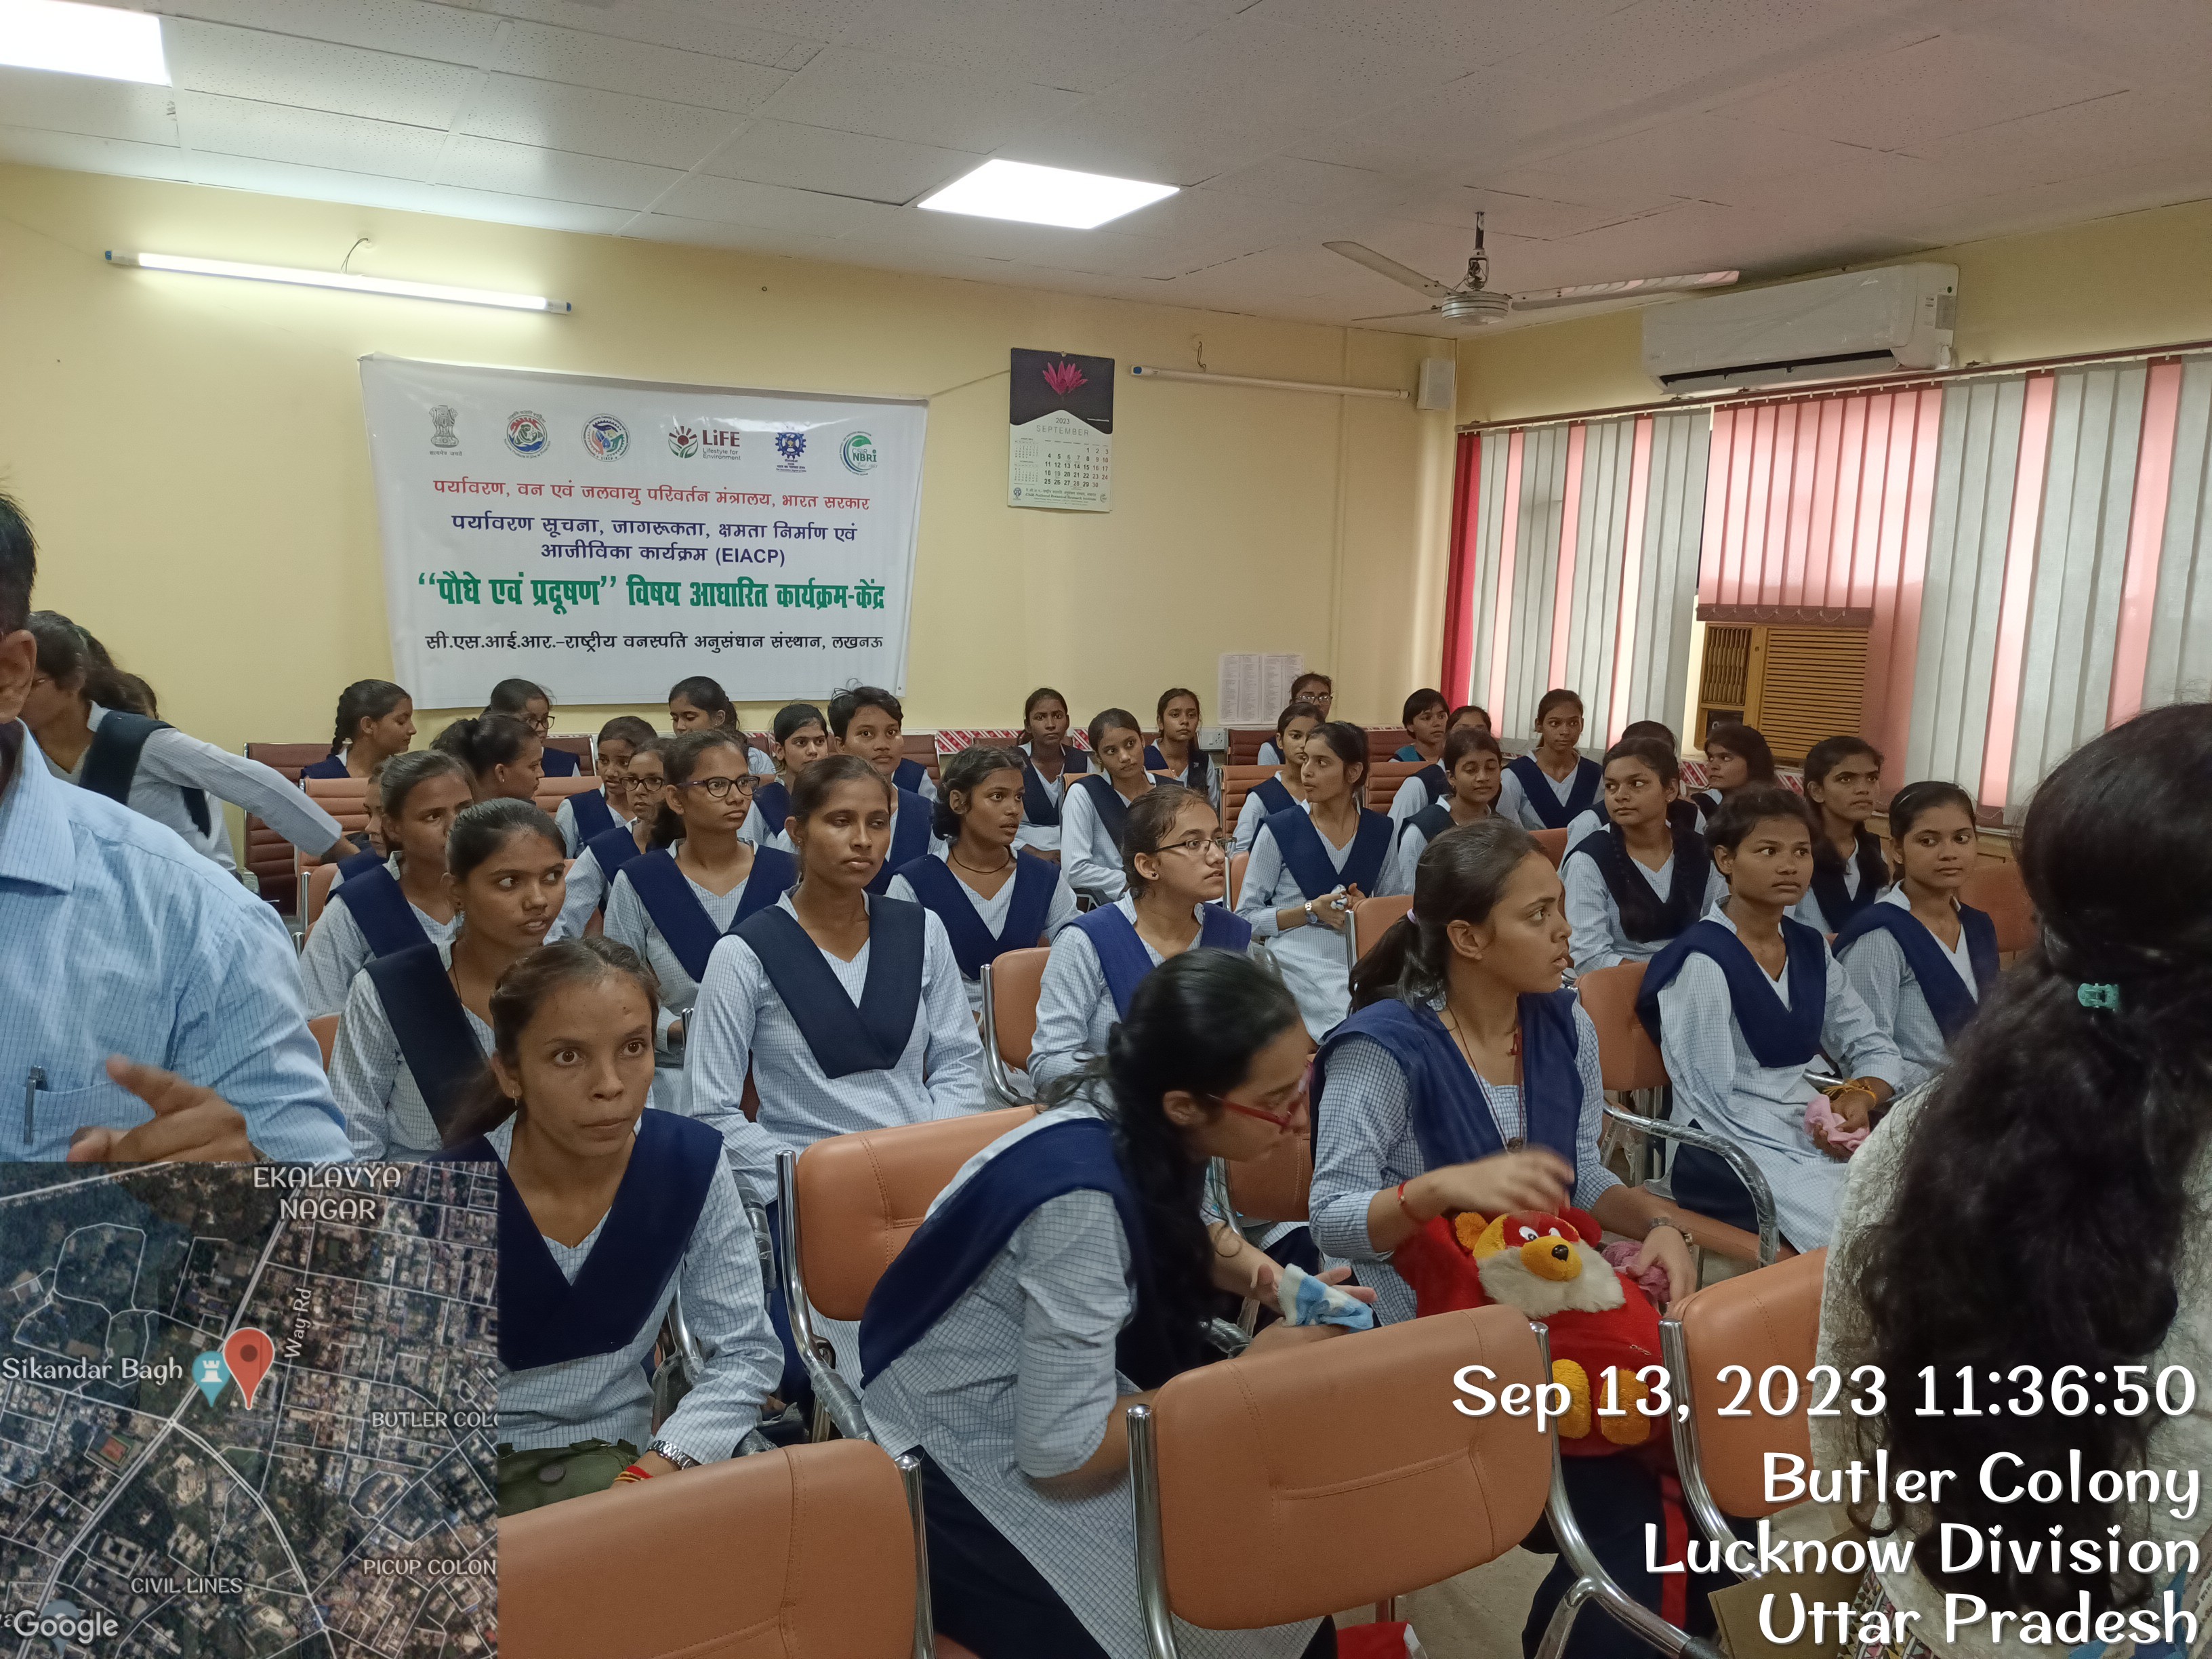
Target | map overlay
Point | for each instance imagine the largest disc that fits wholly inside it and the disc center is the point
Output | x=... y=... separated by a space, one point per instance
x=247 y=1411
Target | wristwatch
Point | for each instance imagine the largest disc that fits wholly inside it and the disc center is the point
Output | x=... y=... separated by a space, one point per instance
x=1659 y=1221
x=1311 y=917
x=682 y=1459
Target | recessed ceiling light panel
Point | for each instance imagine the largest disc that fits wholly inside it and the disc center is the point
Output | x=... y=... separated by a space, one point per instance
x=1045 y=196
x=74 y=39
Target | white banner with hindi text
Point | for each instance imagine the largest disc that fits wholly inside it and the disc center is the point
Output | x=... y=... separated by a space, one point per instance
x=608 y=538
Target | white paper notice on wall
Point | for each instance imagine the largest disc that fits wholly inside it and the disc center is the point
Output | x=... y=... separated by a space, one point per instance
x=1256 y=684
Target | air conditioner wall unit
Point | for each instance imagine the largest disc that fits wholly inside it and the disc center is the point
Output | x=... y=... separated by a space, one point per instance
x=1832 y=328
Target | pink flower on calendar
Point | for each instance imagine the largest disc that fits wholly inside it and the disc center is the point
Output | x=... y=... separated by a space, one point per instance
x=1063 y=377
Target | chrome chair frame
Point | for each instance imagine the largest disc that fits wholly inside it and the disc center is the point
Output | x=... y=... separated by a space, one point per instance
x=1696 y=1496
x=1762 y=1195
x=994 y=1064
x=836 y=1404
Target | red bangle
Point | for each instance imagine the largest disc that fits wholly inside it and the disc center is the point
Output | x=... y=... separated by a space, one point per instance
x=634 y=1472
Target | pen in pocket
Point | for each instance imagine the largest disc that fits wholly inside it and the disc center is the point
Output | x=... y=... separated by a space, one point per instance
x=33 y=1080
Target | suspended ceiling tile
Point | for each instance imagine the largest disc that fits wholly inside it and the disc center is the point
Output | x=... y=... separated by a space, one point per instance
x=312 y=137
x=539 y=211
x=1456 y=32
x=840 y=163
x=1166 y=147
x=1048 y=247
x=1505 y=213
x=773 y=207
x=1314 y=186
x=898 y=98
x=717 y=30
x=1084 y=46
x=415 y=29
x=275 y=69
x=744 y=239
x=2140 y=43
x=2131 y=189
x=319 y=184
x=1854 y=183
x=1949 y=83
x=76 y=152
x=1687 y=155
x=2081 y=139
x=589 y=122
x=537 y=52
x=85 y=105
x=526 y=170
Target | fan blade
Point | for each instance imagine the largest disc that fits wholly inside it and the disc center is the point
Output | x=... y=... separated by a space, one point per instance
x=1382 y=266
x=1400 y=316
x=1634 y=286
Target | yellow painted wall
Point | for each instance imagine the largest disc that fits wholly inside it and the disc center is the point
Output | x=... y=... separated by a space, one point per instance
x=2135 y=280
x=191 y=450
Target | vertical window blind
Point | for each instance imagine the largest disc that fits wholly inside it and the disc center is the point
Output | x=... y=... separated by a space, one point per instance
x=2029 y=558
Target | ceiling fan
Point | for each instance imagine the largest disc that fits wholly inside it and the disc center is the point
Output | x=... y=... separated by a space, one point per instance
x=1473 y=303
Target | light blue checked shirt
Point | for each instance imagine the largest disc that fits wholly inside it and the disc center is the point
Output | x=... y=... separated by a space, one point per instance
x=117 y=938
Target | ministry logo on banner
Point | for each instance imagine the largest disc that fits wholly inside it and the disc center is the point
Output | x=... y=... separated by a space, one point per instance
x=790 y=444
x=605 y=438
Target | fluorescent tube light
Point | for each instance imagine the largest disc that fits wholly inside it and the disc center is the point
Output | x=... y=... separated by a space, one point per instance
x=74 y=39
x=466 y=296
x=1045 y=196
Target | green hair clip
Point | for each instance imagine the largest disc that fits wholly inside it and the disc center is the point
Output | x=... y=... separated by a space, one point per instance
x=2106 y=997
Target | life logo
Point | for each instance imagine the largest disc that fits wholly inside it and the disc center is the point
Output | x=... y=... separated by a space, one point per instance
x=857 y=452
x=605 y=438
x=526 y=431
x=684 y=441
x=790 y=445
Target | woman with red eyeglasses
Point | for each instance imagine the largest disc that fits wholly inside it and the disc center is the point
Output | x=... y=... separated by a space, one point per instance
x=1063 y=1276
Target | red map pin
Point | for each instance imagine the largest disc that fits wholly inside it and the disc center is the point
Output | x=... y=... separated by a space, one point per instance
x=248 y=1352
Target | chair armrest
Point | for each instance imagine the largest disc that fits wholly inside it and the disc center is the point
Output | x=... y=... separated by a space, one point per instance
x=1762 y=1195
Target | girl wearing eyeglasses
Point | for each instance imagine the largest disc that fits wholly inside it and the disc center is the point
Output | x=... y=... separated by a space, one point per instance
x=1095 y=810
x=1288 y=787
x=1311 y=865
x=1177 y=870
x=991 y=898
x=597 y=811
x=1064 y=1275
x=527 y=700
x=673 y=905
x=1468 y=1080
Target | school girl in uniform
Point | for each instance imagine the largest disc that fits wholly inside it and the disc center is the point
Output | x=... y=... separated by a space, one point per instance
x=801 y=736
x=1064 y=1274
x=506 y=759
x=1741 y=1005
x=1433 y=781
x=531 y=704
x=597 y=811
x=599 y=860
x=417 y=1023
x=870 y=722
x=1176 y=754
x=1309 y=865
x=1318 y=690
x=1475 y=764
x=1681 y=812
x=991 y=896
x=377 y=906
x=141 y=762
x=1635 y=885
x=1736 y=757
x=1425 y=716
x=674 y=903
x=375 y=722
x=1093 y=812
x=1288 y=787
x=1468 y=1080
x=608 y=1210
x=1177 y=869
x=1552 y=785
x=1920 y=960
x=1050 y=764
x=1849 y=869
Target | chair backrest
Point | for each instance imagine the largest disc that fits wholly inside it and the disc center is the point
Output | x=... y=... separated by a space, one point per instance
x=345 y=800
x=1768 y=1318
x=1016 y=978
x=1278 y=1187
x=1371 y=918
x=922 y=746
x=577 y=745
x=325 y=1028
x=268 y=854
x=1347 y=1458
x=1996 y=887
x=1236 y=863
x=1384 y=741
x=860 y=1197
x=321 y=877
x=1245 y=743
x=829 y=1566
x=1383 y=779
x=1238 y=782
x=1551 y=843
x=1626 y=1056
